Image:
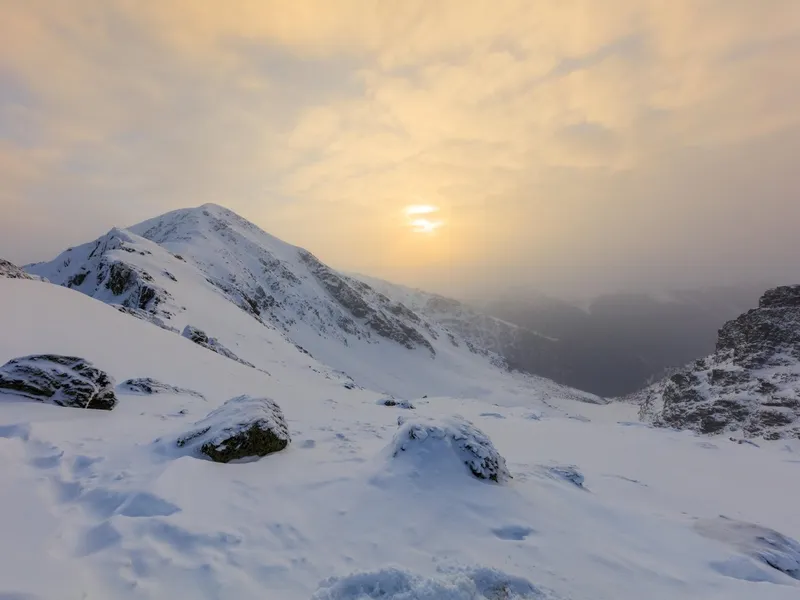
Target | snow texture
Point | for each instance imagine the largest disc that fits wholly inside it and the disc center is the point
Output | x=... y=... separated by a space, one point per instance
x=429 y=441
x=244 y=427
x=766 y=545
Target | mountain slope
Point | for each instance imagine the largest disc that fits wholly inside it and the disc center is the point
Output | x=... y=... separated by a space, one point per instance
x=101 y=504
x=208 y=269
x=751 y=383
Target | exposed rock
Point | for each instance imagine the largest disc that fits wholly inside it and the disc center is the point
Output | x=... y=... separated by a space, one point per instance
x=568 y=473
x=244 y=427
x=395 y=402
x=448 y=437
x=386 y=324
x=11 y=271
x=148 y=386
x=750 y=384
x=201 y=338
x=62 y=380
x=145 y=316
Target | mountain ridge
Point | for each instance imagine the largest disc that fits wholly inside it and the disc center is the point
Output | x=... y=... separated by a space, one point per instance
x=170 y=269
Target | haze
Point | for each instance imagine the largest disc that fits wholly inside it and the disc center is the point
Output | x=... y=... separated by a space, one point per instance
x=574 y=147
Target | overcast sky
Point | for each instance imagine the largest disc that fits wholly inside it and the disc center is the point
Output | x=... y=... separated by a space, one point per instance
x=577 y=146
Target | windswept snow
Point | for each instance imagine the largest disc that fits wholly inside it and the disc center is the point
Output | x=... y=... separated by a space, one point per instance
x=94 y=506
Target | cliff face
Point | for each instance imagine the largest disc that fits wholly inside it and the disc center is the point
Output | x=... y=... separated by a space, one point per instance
x=750 y=384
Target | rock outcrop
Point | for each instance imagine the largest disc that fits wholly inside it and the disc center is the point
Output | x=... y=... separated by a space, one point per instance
x=243 y=428
x=62 y=380
x=750 y=384
x=149 y=386
x=11 y=271
x=201 y=338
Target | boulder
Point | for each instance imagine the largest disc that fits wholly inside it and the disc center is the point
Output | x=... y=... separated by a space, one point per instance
x=448 y=437
x=243 y=428
x=62 y=380
x=149 y=386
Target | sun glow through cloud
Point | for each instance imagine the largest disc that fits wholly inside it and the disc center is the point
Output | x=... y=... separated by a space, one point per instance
x=420 y=224
x=421 y=209
x=425 y=225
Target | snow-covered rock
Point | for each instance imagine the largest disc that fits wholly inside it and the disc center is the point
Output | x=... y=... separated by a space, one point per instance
x=398 y=584
x=761 y=543
x=244 y=427
x=149 y=386
x=200 y=337
x=62 y=380
x=433 y=440
x=568 y=473
x=399 y=403
x=750 y=384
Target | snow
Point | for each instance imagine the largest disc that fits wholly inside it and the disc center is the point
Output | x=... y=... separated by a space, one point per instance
x=94 y=508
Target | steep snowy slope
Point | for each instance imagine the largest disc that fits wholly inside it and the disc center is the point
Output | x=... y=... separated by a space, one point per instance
x=98 y=504
x=210 y=269
x=520 y=348
x=750 y=384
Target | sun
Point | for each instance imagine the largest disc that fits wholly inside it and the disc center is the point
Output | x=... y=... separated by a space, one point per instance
x=420 y=224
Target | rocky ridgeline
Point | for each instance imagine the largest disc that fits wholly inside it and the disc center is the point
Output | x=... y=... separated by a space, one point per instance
x=11 y=271
x=750 y=384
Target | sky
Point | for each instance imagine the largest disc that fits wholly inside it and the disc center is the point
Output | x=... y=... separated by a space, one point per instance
x=567 y=146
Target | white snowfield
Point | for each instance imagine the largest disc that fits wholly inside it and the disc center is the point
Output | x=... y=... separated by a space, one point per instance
x=100 y=505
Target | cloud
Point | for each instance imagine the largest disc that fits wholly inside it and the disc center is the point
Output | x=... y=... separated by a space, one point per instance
x=560 y=139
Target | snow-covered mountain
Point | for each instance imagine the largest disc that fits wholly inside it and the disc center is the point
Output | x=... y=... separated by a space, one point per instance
x=369 y=499
x=207 y=269
x=750 y=384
